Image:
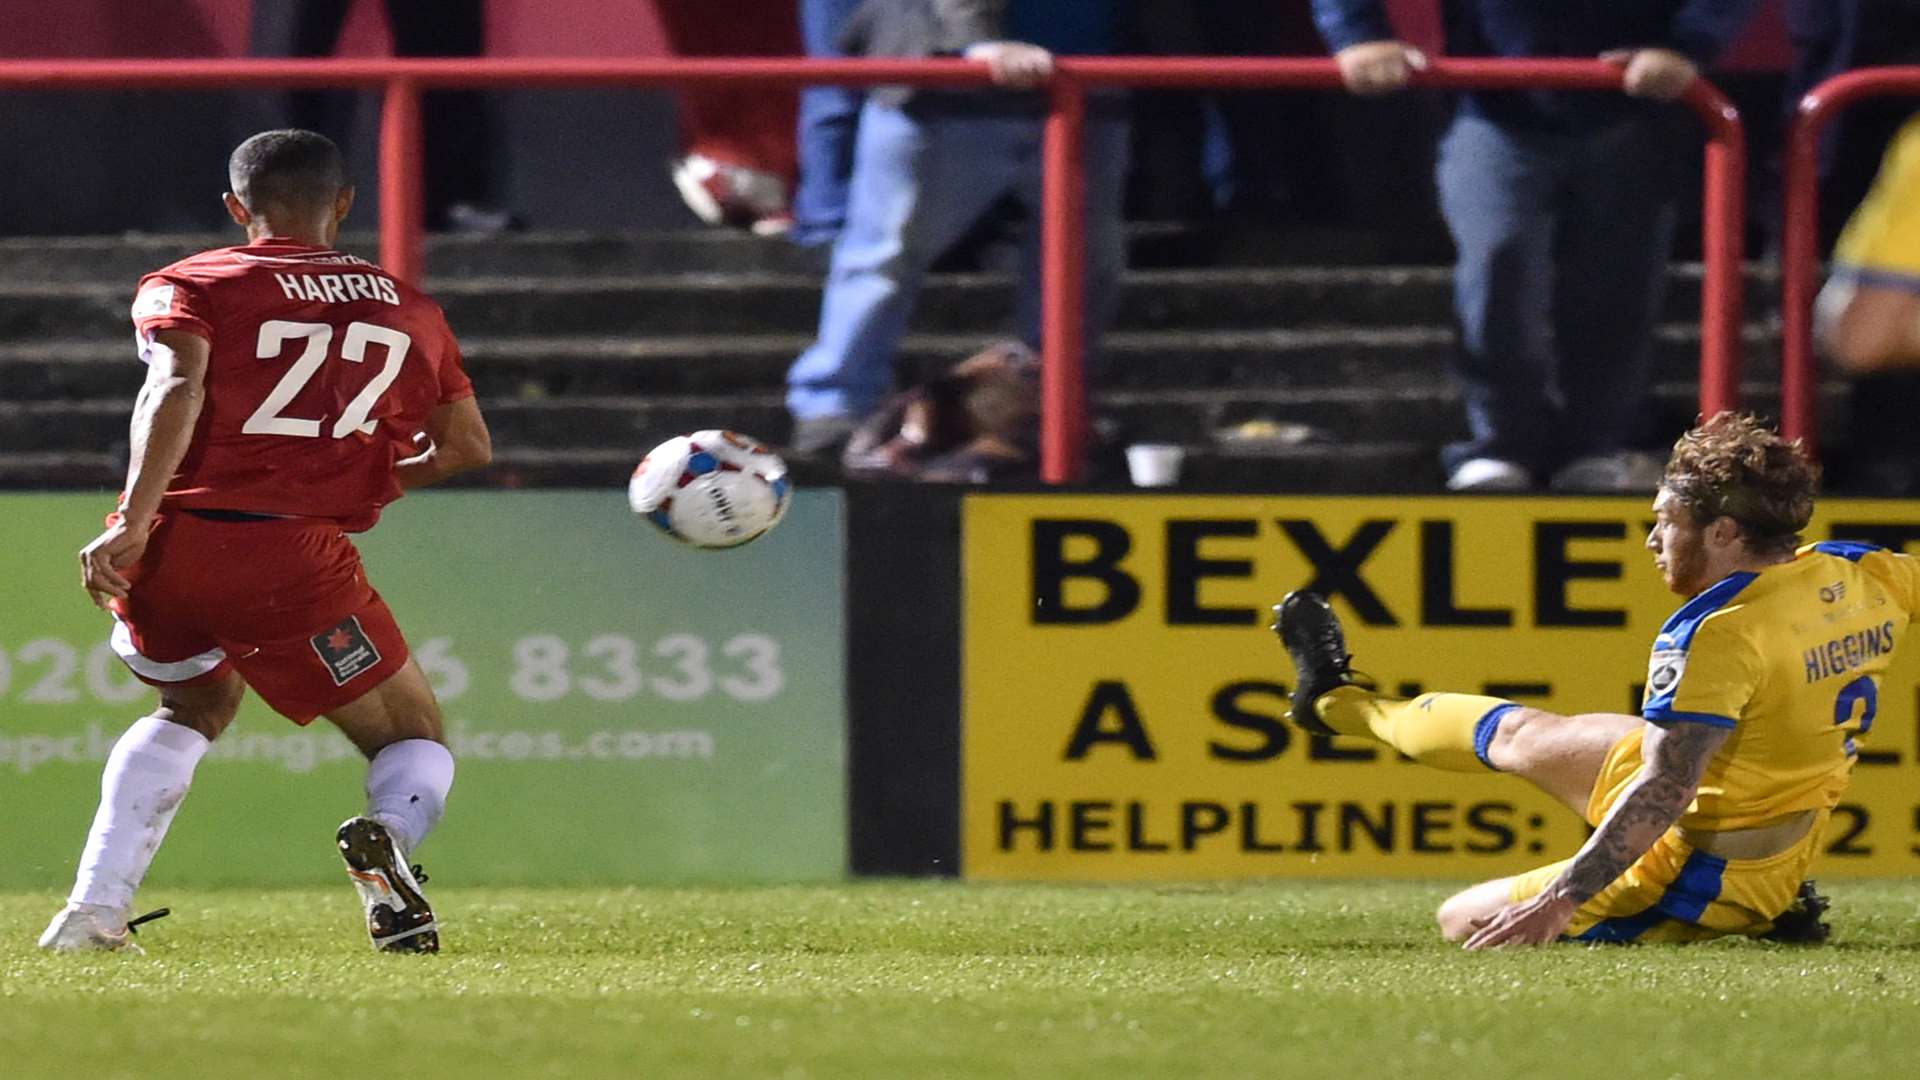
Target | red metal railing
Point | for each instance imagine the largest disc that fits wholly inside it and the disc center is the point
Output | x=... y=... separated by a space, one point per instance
x=1800 y=236
x=1063 y=441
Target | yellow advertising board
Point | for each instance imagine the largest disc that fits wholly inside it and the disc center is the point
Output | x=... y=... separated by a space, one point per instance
x=1123 y=696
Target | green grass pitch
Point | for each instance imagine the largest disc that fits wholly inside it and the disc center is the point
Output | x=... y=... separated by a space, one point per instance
x=945 y=980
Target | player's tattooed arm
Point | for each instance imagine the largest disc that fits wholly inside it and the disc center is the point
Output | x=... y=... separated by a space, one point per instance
x=1677 y=757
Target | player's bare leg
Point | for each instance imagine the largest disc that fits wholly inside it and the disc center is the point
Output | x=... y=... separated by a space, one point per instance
x=1561 y=755
x=1463 y=912
x=146 y=778
x=397 y=725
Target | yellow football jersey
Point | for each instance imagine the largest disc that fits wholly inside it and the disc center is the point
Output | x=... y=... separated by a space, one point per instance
x=1881 y=244
x=1790 y=658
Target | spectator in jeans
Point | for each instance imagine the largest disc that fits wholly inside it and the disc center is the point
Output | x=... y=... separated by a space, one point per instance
x=1561 y=208
x=829 y=116
x=928 y=165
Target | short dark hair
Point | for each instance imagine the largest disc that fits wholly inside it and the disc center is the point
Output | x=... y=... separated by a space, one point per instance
x=1734 y=466
x=286 y=168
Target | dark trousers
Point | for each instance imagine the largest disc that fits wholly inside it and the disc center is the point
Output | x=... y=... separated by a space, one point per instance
x=1563 y=243
x=457 y=122
x=1834 y=36
x=1259 y=130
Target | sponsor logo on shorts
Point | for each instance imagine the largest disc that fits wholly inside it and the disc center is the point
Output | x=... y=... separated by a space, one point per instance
x=345 y=650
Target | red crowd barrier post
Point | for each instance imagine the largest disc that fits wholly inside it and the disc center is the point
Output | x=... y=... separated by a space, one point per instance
x=1800 y=237
x=1723 y=227
x=1063 y=286
x=1799 y=262
x=402 y=208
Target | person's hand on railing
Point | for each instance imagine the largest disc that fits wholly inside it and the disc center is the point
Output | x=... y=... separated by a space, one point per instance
x=1372 y=68
x=1016 y=65
x=1660 y=74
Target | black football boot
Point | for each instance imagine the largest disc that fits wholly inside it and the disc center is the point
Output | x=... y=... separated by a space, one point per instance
x=1311 y=633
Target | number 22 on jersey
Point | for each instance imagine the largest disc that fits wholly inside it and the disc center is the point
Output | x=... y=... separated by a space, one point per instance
x=275 y=334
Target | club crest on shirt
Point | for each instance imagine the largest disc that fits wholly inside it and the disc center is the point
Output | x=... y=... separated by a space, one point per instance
x=153 y=300
x=1664 y=670
x=345 y=649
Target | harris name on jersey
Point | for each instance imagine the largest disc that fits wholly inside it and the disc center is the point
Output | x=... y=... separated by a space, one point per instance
x=338 y=288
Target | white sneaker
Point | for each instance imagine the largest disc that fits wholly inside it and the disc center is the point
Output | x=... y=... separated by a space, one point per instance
x=723 y=194
x=88 y=928
x=1490 y=474
x=1625 y=473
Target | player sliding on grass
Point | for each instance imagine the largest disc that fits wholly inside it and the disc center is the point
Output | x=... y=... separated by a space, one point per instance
x=1710 y=805
x=291 y=392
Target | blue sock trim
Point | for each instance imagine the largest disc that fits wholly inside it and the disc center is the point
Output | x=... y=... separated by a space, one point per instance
x=1487 y=727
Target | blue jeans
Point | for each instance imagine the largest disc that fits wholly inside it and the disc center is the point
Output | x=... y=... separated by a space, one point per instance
x=919 y=183
x=828 y=117
x=1563 y=242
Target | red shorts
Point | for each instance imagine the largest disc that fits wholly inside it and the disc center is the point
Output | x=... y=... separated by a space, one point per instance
x=284 y=602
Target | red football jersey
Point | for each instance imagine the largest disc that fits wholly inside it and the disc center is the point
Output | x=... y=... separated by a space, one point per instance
x=322 y=371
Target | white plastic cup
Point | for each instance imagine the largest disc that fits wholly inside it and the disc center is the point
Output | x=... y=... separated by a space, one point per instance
x=1155 y=464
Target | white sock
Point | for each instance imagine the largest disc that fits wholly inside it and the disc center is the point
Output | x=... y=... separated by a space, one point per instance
x=407 y=785
x=146 y=777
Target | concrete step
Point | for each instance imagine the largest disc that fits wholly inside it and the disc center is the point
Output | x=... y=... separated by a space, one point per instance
x=1431 y=414
x=124 y=259
x=1354 y=468
x=71 y=469
x=532 y=367
x=631 y=425
x=1351 y=468
x=628 y=425
x=588 y=349
x=649 y=305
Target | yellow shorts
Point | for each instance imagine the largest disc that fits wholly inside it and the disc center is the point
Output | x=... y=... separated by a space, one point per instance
x=1675 y=893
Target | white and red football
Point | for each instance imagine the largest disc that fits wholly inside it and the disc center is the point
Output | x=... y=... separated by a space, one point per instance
x=711 y=489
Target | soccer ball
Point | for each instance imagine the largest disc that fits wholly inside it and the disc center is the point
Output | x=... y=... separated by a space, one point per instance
x=711 y=489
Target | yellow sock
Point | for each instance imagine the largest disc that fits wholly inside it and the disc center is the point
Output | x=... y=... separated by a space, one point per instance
x=1446 y=731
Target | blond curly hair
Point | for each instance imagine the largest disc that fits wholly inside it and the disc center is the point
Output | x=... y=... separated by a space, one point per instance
x=1735 y=466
